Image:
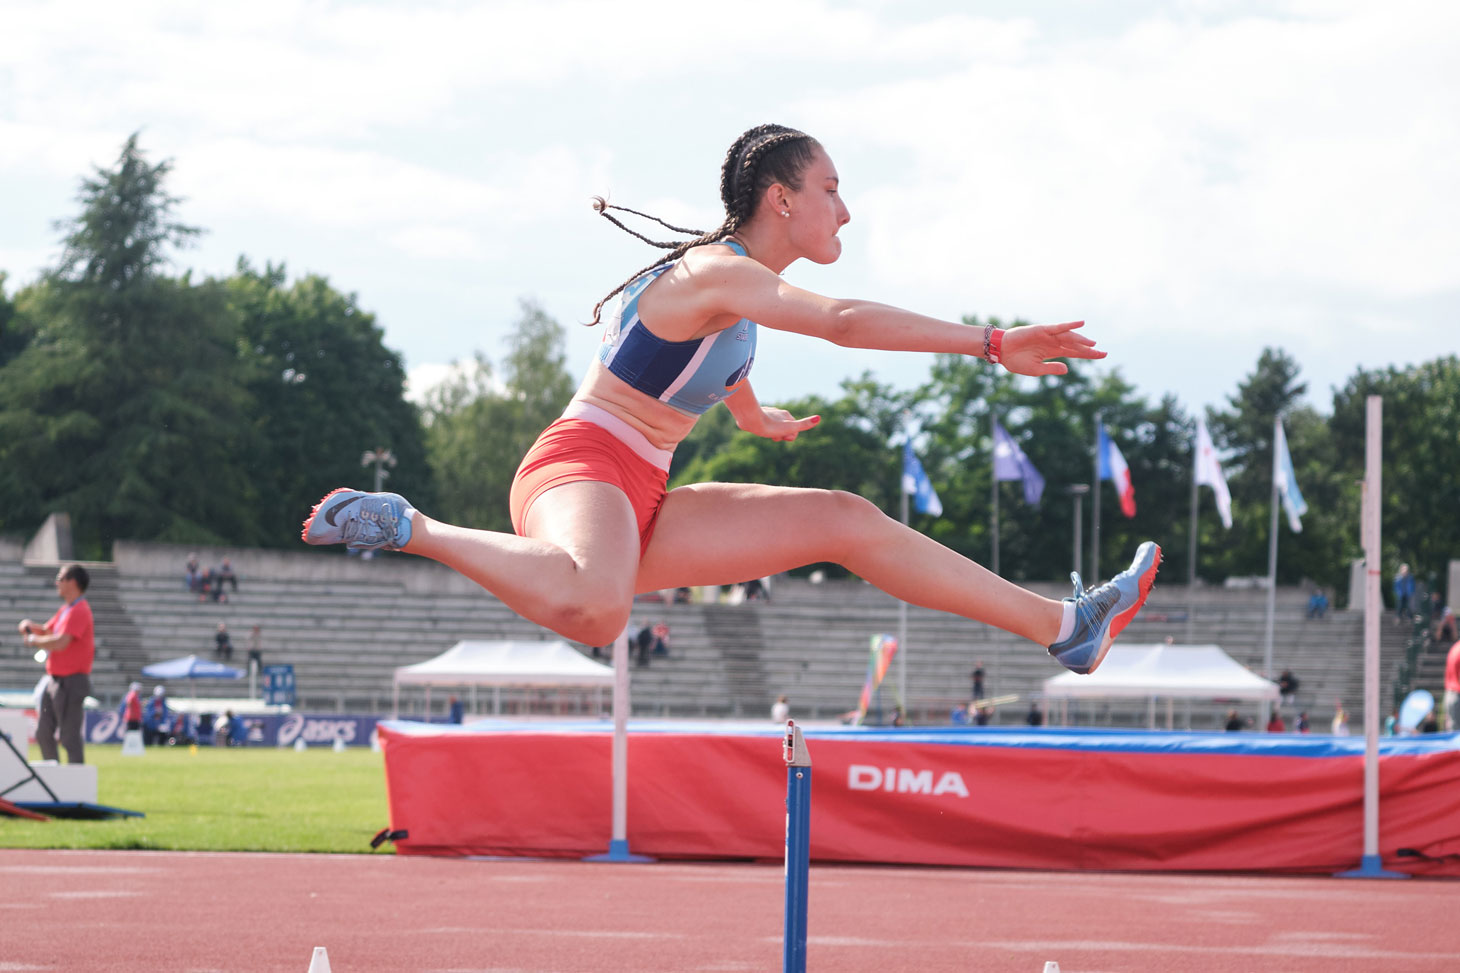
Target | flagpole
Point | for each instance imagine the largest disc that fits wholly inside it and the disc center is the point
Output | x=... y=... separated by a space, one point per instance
x=902 y=626
x=1272 y=542
x=1191 y=555
x=1094 y=576
x=993 y=419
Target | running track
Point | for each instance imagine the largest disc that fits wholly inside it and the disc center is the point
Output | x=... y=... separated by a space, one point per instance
x=152 y=912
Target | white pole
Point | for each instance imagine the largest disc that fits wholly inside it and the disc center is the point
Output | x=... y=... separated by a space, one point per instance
x=902 y=628
x=1272 y=535
x=618 y=846
x=1373 y=474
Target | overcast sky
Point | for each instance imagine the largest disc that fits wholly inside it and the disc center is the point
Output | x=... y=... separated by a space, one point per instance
x=1197 y=180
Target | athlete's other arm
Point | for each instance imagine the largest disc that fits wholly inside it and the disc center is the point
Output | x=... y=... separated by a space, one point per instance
x=766 y=421
x=739 y=286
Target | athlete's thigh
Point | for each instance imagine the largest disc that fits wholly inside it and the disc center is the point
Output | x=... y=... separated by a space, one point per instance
x=594 y=523
x=721 y=533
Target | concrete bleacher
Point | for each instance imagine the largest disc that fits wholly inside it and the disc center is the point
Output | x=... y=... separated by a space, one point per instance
x=346 y=624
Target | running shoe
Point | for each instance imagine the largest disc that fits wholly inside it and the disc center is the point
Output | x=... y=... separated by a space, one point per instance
x=361 y=521
x=1102 y=613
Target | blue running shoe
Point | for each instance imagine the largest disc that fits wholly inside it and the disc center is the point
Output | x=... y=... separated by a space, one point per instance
x=1102 y=613
x=361 y=521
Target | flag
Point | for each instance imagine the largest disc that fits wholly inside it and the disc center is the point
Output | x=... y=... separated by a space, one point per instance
x=1010 y=463
x=1284 y=480
x=884 y=647
x=1208 y=471
x=1113 y=468
x=916 y=483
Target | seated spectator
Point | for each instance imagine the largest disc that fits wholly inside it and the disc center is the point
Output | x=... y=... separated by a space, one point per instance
x=1288 y=687
x=1034 y=717
x=1302 y=725
x=661 y=639
x=1443 y=629
x=223 y=575
x=156 y=718
x=1317 y=604
x=222 y=643
x=193 y=576
x=755 y=590
x=981 y=713
x=683 y=596
x=1275 y=722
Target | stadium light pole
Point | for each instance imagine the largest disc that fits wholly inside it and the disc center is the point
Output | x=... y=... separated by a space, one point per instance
x=382 y=458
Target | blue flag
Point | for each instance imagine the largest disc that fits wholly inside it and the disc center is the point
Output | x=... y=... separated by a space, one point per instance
x=916 y=483
x=1010 y=463
x=1285 y=480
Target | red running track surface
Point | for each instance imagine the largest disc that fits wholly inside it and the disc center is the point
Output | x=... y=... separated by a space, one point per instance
x=124 y=911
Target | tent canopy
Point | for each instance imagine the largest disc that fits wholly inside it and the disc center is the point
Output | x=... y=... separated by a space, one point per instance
x=1179 y=671
x=514 y=663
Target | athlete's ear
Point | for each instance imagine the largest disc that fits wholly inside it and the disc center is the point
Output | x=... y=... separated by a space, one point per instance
x=777 y=200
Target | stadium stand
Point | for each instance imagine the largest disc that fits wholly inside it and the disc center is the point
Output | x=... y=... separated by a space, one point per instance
x=345 y=624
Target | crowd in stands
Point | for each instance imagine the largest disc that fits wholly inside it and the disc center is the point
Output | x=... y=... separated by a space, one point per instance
x=209 y=584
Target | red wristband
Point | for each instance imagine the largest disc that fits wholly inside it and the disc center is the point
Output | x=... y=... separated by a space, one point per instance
x=993 y=345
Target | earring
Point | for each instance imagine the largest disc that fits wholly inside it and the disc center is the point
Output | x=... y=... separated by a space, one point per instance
x=785 y=212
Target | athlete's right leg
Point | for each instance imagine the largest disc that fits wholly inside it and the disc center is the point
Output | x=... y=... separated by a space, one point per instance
x=573 y=572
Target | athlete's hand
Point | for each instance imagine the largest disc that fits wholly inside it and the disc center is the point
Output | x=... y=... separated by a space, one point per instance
x=777 y=424
x=1028 y=350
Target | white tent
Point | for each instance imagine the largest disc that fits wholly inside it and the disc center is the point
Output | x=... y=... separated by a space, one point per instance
x=512 y=664
x=1169 y=671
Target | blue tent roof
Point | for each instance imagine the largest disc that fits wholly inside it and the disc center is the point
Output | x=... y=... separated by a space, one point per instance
x=191 y=667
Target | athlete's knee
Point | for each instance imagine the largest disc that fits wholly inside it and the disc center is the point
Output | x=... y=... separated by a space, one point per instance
x=847 y=520
x=593 y=618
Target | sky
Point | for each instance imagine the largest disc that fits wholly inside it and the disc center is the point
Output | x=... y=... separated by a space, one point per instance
x=1197 y=180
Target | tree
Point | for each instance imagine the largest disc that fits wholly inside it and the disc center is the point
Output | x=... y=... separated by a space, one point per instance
x=124 y=408
x=478 y=429
x=325 y=389
x=1421 y=454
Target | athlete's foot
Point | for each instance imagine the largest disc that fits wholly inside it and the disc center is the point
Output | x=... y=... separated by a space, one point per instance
x=1102 y=613
x=361 y=521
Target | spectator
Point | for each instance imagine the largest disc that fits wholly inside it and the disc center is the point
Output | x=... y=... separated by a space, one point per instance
x=683 y=595
x=1234 y=721
x=193 y=576
x=1442 y=619
x=132 y=707
x=981 y=714
x=661 y=638
x=1403 y=594
x=1275 y=722
x=222 y=643
x=1452 y=688
x=1391 y=723
x=1340 y=722
x=156 y=718
x=1302 y=725
x=1034 y=717
x=755 y=590
x=1288 y=687
x=961 y=715
x=455 y=712
x=223 y=575
x=643 y=644
x=1431 y=724
x=69 y=647
x=978 y=679
x=1317 y=604
x=781 y=711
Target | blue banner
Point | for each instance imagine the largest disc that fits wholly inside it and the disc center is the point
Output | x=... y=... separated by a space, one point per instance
x=264 y=729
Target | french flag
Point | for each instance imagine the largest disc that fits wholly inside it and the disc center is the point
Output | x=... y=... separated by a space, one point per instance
x=1113 y=468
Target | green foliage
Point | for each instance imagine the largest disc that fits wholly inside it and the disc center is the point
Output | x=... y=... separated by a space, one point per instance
x=478 y=429
x=124 y=409
x=324 y=390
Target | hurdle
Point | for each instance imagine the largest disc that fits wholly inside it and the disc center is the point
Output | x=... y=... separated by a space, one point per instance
x=798 y=847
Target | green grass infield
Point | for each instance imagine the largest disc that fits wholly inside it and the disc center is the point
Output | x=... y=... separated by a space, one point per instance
x=233 y=799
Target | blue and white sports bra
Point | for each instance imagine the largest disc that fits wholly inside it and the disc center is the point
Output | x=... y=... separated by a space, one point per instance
x=689 y=376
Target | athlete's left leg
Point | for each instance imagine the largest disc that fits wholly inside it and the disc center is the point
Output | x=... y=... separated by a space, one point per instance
x=722 y=533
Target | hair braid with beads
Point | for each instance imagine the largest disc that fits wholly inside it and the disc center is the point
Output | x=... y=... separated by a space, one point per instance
x=760 y=157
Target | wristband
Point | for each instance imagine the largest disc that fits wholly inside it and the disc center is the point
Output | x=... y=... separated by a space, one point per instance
x=993 y=344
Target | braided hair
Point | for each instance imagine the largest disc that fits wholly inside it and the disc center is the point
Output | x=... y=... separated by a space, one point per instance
x=760 y=157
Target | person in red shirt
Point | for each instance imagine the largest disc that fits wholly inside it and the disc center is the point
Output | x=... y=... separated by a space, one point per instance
x=69 y=650
x=1452 y=688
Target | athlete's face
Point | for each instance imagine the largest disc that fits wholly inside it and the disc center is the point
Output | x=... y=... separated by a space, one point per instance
x=817 y=211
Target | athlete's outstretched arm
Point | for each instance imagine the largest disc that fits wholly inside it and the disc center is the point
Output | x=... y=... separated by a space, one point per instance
x=734 y=285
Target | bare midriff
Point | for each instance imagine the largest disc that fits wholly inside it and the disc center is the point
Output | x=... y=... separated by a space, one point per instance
x=661 y=424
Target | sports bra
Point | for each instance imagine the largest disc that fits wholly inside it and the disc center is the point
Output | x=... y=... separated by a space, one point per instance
x=690 y=376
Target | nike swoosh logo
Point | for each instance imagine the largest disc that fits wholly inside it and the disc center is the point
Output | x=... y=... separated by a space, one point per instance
x=329 y=515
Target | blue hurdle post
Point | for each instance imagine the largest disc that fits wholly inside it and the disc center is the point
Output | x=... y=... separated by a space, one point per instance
x=798 y=847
